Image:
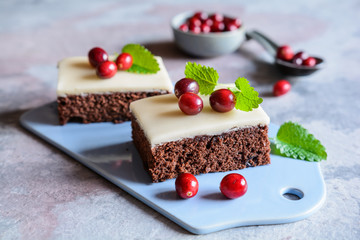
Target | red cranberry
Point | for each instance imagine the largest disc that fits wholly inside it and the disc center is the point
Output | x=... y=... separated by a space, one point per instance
x=217 y=17
x=299 y=58
x=186 y=185
x=195 y=29
x=124 y=61
x=235 y=21
x=297 y=61
x=230 y=27
x=205 y=28
x=194 y=21
x=186 y=85
x=217 y=26
x=285 y=53
x=97 y=55
x=310 y=62
x=222 y=100
x=208 y=22
x=233 y=185
x=201 y=15
x=190 y=103
x=184 y=27
x=106 y=69
x=281 y=87
x=302 y=55
x=227 y=19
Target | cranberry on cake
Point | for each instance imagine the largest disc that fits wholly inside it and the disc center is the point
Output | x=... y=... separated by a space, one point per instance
x=186 y=132
x=84 y=97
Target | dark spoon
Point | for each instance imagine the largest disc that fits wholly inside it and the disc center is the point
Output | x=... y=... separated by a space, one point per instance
x=284 y=66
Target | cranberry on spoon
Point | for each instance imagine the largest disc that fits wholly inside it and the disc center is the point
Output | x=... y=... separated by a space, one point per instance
x=310 y=62
x=283 y=64
x=299 y=58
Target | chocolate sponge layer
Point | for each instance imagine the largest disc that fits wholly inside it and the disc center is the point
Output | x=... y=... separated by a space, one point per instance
x=237 y=149
x=91 y=108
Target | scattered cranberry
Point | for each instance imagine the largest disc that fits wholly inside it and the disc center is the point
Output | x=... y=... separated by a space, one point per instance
x=124 y=61
x=184 y=27
x=233 y=185
x=222 y=100
x=190 y=103
x=310 y=62
x=186 y=185
x=186 y=85
x=200 y=22
x=285 y=53
x=96 y=56
x=106 y=69
x=281 y=87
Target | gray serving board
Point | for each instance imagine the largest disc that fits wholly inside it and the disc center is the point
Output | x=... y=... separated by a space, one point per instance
x=107 y=149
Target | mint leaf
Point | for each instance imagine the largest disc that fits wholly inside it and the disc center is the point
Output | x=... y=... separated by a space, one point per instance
x=206 y=77
x=296 y=142
x=247 y=98
x=138 y=69
x=143 y=60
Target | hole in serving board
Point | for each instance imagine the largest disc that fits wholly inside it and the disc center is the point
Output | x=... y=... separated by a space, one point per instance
x=292 y=194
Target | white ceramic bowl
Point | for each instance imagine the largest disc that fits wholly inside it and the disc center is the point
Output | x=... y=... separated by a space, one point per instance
x=206 y=44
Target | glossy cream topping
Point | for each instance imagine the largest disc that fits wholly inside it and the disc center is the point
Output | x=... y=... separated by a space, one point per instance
x=162 y=120
x=76 y=76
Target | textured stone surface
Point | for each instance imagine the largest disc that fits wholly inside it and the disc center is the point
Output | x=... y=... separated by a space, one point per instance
x=44 y=194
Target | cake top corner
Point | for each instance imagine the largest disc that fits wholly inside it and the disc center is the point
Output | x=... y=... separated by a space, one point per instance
x=76 y=76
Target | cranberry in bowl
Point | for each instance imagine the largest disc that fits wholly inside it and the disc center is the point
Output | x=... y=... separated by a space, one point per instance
x=204 y=34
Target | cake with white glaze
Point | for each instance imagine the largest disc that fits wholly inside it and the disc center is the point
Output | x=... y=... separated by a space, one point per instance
x=82 y=96
x=170 y=142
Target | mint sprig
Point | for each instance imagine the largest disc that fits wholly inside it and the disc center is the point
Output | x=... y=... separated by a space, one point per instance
x=206 y=77
x=143 y=60
x=246 y=97
x=296 y=142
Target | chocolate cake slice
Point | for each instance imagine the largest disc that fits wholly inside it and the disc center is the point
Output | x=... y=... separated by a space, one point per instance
x=170 y=142
x=83 y=97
